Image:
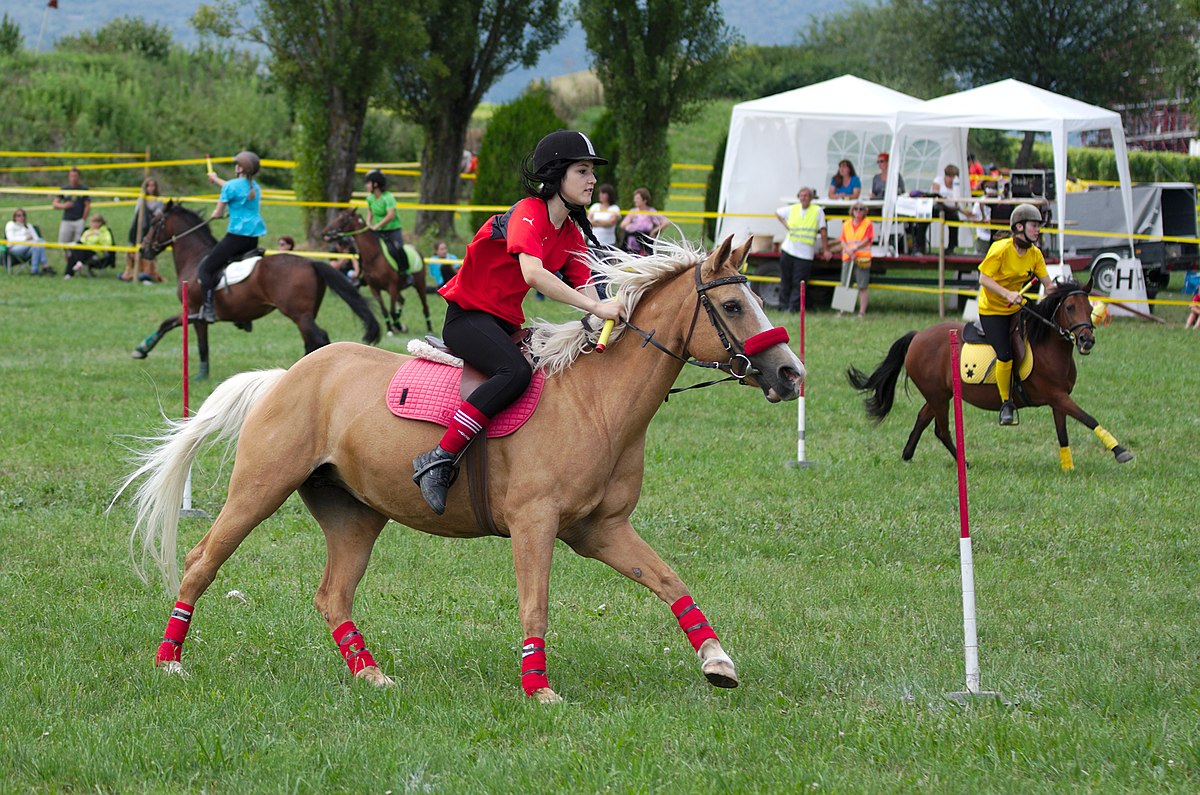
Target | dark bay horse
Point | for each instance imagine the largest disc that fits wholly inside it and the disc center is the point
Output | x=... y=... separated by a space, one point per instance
x=377 y=273
x=293 y=285
x=573 y=472
x=1054 y=327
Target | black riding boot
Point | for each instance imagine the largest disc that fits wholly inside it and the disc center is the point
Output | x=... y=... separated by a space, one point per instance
x=207 y=313
x=435 y=472
x=1008 y=413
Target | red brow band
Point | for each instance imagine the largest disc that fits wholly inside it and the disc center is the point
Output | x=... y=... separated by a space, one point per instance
x=760 y=342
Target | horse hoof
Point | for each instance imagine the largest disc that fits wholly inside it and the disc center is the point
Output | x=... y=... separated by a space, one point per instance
x=1123 y=455
x=720 y=672
x=138 y=353
x=391 y=333
x=374 y=676
x=546 y=696
x=173 y=668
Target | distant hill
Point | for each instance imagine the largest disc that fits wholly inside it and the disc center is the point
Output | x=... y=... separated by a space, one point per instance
x=768 y=22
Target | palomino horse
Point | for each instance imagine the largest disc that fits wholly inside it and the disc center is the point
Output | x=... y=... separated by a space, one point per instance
x=1053 y=327
x=293 y=285
x=322 y=428
x=377 y=272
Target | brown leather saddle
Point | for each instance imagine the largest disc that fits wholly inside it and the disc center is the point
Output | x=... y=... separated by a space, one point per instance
x=476 y=458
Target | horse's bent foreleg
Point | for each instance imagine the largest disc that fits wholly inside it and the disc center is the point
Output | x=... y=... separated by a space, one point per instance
x=533 y=549
x=1069 y=406
x=1064 y=443
x=145 y=346
x=350 y=532
x=624 y=550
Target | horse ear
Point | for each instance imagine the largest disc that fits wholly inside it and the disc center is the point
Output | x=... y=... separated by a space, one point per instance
x=717 y=259
x=1087 y=288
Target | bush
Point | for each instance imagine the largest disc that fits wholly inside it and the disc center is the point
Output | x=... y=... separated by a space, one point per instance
x=10 y=36
x=511 y=135
x=122 y=35
x=712 y=195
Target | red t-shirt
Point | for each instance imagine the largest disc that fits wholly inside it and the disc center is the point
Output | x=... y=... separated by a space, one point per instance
x=490 y=278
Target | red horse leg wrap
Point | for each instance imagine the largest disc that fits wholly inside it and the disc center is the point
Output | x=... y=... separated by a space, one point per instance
x=177 y=628
x=763 y=340
x=692 y=622
x=352 y=646
x=533 y=666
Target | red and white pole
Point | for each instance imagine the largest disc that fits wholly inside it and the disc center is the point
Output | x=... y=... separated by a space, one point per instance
x=800 y=459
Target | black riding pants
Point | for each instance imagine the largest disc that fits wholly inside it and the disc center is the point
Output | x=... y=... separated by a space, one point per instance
x=226 y=251
x=483 y=341
x=996 y=328
x=792 y=271
x=394 y=240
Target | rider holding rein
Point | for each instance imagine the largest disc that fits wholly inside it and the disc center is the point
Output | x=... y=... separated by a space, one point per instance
x=382 y=218
x=512 y=253
x=242 y=196
x=1008 y=266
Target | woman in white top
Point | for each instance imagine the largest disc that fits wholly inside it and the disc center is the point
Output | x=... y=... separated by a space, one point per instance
x=605 y=214
x=19 y=229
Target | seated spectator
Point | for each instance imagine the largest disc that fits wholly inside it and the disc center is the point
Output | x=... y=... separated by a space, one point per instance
x=97 y=234
x=20 y=233
x=442 y=271
x=949 y=187
x=347 y=265
x=845 y=183
x=879 y=181
x=642 y=224
x=1193 y=318
x=287 y=243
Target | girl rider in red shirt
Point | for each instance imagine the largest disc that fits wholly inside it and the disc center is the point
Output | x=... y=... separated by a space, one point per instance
x=523 y=248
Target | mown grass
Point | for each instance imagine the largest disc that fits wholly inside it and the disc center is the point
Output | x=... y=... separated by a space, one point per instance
x=835 y=588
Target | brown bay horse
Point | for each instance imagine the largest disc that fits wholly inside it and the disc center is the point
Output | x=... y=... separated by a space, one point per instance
x=292 y=284
x=322 y=428
x=1054 y=327
x=376 y=272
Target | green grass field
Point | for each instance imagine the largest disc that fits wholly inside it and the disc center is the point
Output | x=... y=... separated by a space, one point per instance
x=835 y=588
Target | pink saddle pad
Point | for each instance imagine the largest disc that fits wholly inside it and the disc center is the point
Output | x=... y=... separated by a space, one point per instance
x=428 y=391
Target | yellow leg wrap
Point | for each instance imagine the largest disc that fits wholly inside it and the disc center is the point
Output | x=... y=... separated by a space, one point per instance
x=1105 y=437
x=1064 y=458
x=1003 y=378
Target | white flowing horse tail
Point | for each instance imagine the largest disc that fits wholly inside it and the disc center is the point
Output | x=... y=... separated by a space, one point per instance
x=168 y=461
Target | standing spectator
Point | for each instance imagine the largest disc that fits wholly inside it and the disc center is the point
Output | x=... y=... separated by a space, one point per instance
x=147 y=205
x=75 y=207
x=20 y=233
x=857 y=234
x=642 y=224
x=605 y=214
x=804 y=221
x=845 y=183
x=879 y=181
x=97 y=234
x=974 y=171
x=442 y=271
x=287 y=243
x=243 y=197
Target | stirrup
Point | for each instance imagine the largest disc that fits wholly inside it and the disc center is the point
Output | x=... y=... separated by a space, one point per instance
x=435 y=472
x=1008 y=414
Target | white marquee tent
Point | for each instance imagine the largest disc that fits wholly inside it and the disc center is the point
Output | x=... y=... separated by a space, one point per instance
x=1013 y=105
x=781 y=142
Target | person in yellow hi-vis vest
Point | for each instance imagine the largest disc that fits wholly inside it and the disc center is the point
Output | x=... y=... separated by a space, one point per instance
x=857 y=234
x=1008 y=266
x=804 y=222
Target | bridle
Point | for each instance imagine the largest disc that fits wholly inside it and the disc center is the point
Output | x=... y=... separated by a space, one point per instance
x=1068 y=334
x=341 y=232
x=161 y=221
x=738 y=366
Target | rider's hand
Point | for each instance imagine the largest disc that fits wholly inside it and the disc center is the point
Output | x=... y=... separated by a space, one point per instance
x=608 y=310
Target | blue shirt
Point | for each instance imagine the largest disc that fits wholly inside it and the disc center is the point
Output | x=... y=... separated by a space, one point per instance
x=244 y=216
x=846 y=190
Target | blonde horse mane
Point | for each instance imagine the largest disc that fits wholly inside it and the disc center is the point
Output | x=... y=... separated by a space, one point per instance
x=555 y=346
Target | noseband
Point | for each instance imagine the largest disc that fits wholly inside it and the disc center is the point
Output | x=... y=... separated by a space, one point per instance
x=738 y=366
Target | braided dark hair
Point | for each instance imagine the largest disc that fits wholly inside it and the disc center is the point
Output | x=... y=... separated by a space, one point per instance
x=545 y=185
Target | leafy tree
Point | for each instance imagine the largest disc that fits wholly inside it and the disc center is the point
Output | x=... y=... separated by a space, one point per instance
x=468 y=45
x=123 y=34
x=656 y=59
x=10 y=36
x=512 y=134
x=330 y=56
x=607 y=141
x=755 y=71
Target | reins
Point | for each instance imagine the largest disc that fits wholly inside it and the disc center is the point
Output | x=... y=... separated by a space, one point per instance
x=161 y=247
x=1067 y=334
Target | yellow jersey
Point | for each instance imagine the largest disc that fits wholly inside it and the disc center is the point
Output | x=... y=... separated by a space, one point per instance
x=1011 y=271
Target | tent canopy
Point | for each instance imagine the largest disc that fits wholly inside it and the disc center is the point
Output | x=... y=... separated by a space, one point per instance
x=779 y=143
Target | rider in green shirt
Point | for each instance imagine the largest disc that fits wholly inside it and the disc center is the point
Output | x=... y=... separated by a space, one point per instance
x=383 y=219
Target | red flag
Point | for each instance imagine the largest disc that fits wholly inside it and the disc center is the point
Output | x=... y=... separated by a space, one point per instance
x=51 y=3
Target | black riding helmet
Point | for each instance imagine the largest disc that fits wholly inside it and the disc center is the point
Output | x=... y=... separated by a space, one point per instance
x=569 y=145
x=376 y=176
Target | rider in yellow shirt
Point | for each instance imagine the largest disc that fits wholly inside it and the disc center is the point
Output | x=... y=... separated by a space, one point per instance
x=1008 y=266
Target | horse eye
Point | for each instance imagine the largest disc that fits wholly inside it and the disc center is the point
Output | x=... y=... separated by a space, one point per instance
x=732 y=307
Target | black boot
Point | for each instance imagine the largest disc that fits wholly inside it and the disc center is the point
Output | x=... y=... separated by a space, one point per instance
x=207 y=313
x=435 y=472
x=1008 y=414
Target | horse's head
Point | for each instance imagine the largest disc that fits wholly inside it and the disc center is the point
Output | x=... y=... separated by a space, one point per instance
x=157 y=237
x=739 y=329
x=347 y=221
x=1069 y=312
